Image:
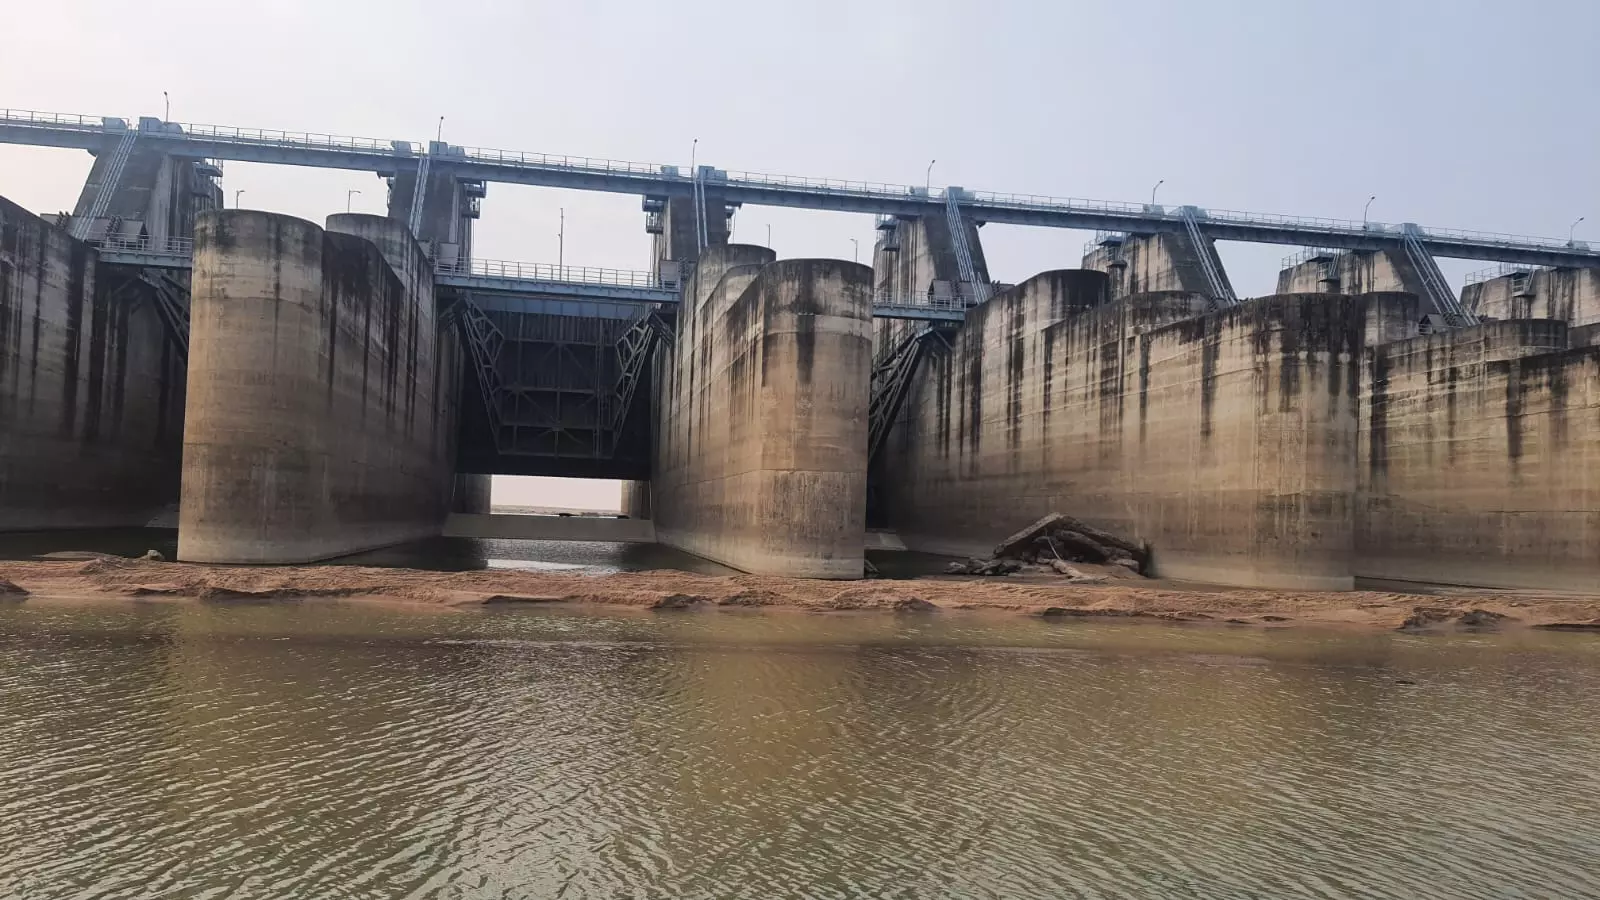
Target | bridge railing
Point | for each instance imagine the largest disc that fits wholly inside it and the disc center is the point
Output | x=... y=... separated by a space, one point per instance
x=1498 y=270
x=274 y=137
x=914 y=301
x=830 y=185
x=524 y=271
x=51 y=120
x=547 y=160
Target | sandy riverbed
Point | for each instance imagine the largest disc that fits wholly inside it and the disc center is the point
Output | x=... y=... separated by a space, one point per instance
x=141 y=580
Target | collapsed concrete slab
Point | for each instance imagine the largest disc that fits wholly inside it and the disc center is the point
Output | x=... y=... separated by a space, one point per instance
x=312 y=429
x=761 y=458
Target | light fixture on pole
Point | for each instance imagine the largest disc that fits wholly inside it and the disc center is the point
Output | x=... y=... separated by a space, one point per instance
x=1571 y=240
x=167 y=115
x=927 y=184
x=856 y=254
x=694 y=148
x=347 y=195
x=236 y=195
x=440 y=135
x=1154 y=189
x=769 y=237
x=1364 y=210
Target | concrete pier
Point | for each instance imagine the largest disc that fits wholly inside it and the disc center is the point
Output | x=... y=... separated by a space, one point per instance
x=1354 y=272
x=1227 y=440
x=91 y=387
x=1480 y=448
x=1570 y=295
x=312 y=427
x=761 y=442
x=1145 y=263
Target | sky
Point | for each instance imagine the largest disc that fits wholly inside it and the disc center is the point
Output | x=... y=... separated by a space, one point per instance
x=1476 y=114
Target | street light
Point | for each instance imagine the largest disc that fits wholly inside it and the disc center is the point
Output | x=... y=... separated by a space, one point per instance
x=236 y=195
x=1570 y=231
x=1154 y=189
x=1364 y=211
x=693 y=149
x=167 y=115
x=769 y=237
x=347 y=195
x=927 y=185
x=440 y=136
x=856 y=254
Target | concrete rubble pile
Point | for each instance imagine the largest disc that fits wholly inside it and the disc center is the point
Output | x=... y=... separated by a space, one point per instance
x=1052 y=544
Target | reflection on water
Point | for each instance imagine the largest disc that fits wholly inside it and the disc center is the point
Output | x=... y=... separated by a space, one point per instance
x=345 y=751
x=445 y=554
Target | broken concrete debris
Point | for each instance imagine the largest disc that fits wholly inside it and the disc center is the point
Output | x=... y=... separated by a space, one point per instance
x=1052 y=544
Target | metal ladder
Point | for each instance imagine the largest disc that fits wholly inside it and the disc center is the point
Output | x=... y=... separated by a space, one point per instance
x=1437 y=289
x=1203 y=248
x=958 y=236
x=891 y=382
x=108 y=185
x=419 y=196
x=169 y=307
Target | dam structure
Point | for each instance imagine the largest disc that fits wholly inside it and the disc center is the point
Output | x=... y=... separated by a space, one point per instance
x=298 y=391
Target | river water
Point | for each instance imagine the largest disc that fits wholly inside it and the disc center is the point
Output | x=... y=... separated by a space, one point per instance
x=344 y=751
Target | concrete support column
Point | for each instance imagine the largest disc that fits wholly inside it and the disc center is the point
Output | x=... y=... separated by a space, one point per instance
x=472 y=494
x=1144 y=263
x=761 y=459
x=916 y=258
x=1353 y=272
x=310 y=429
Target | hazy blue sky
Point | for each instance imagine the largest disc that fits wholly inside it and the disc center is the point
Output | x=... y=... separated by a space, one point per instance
x=1464 y=113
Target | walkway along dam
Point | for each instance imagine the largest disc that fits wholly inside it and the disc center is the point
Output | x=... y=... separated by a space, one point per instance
x=300 y=391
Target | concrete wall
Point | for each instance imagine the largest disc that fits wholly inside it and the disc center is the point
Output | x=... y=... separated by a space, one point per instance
x=761 y=433
x=1356 y=272
x=157 y=195
x=917 y=258
x=1227 y=440
x=1571 y=295
x=91 y=389
x=1169 y=261
x=313 y=429
x=1482 y=459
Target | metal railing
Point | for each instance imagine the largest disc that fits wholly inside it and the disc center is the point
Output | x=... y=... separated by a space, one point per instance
x=914 y=301
x=1307 y=254
x=547 y=161
x=25 y=117
x=524 y=271
x=1499 y=270
x=182 y=248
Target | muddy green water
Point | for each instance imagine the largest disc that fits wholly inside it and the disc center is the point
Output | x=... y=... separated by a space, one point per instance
x=199 y=751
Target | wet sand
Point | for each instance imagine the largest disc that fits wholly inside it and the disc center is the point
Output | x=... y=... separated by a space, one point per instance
x=1038 y=595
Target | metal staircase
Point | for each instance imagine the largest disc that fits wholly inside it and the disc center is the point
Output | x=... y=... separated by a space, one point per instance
x=170 y=307
x=892 y=375
x=1221 y=291
x=108 y=185
x=958 y=236
x=419 y=196
x=1437 y=290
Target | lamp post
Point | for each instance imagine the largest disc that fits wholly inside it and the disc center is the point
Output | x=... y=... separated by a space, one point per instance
x=167 y=115
x=440 y=135
x=1571 y=241
x=927 y=184
x=694 y=148
x=236 y=195
x=1154 y=189
x=856 y=253
x=347 y=195
x=1364 y=210
x=769 y=236
x=561 y=241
